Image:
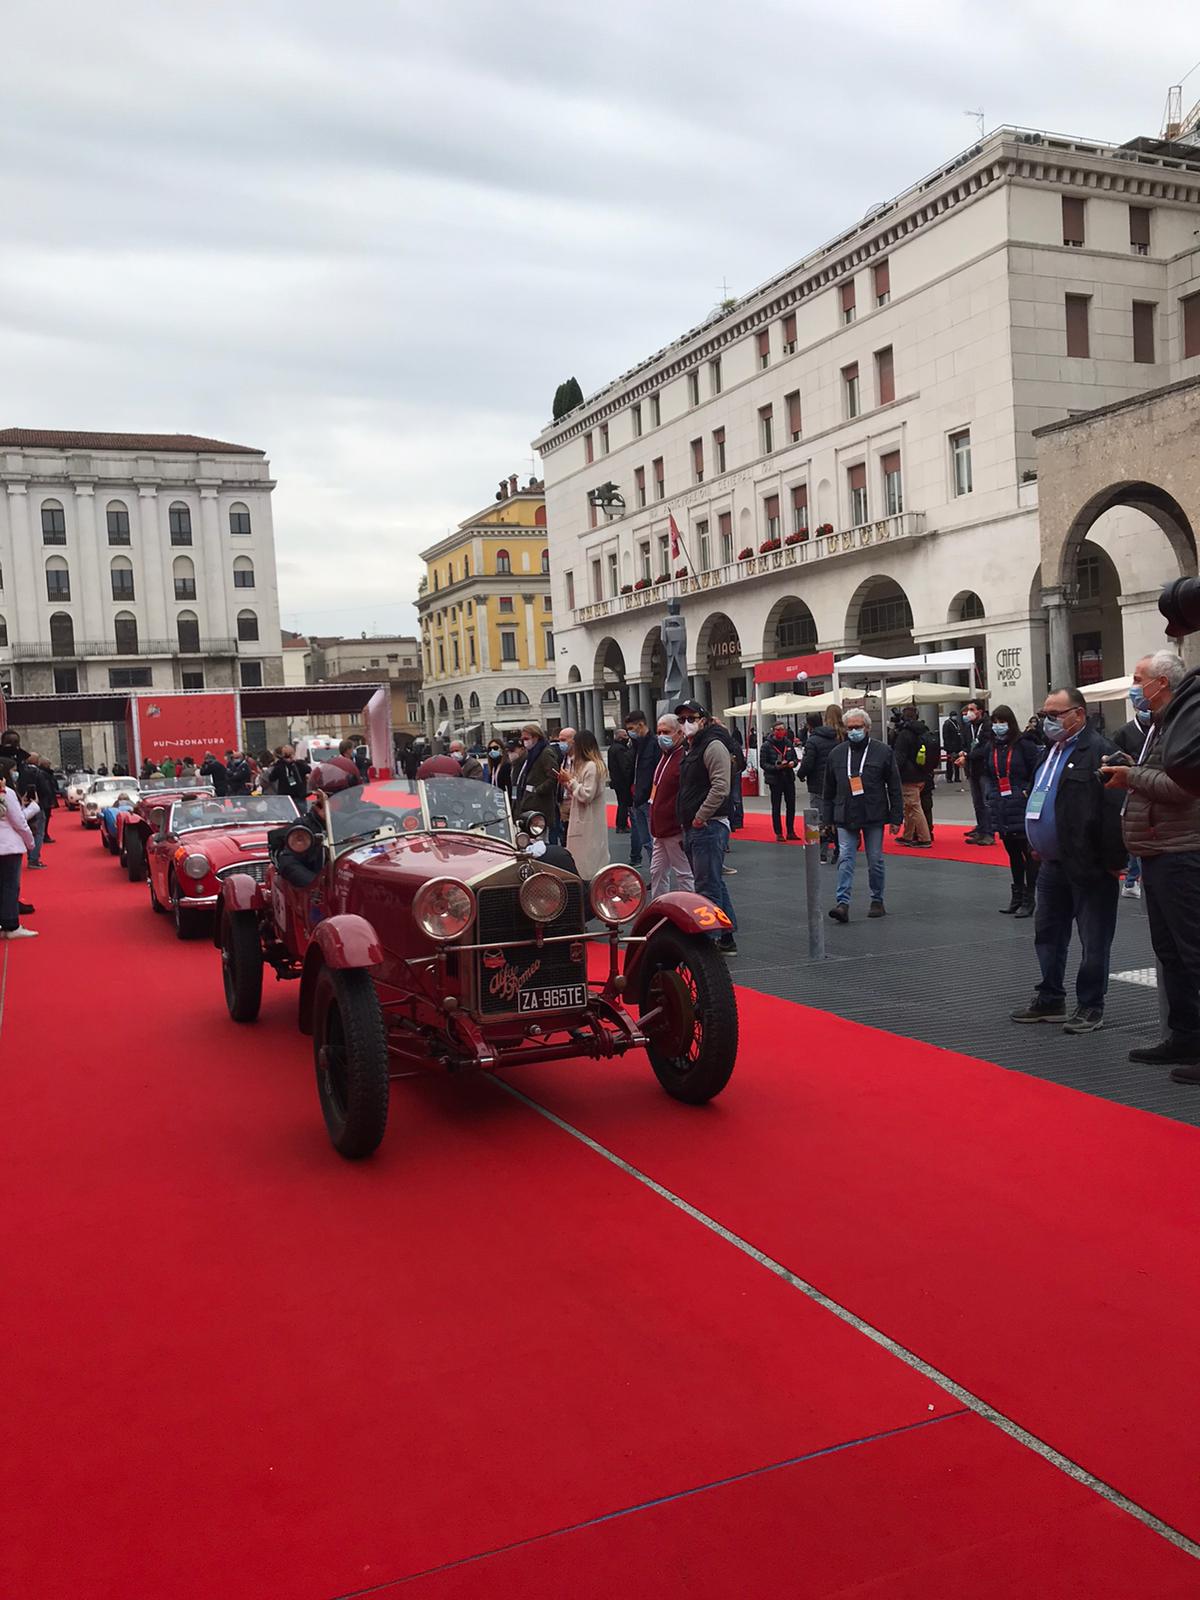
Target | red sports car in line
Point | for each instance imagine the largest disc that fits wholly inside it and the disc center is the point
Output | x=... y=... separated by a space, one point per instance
x=196 y=843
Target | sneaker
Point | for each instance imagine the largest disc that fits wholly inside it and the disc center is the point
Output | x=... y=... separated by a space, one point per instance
x=878 y=909
x=1084 y=1021
x=1131 y=891
x=35 y=866
x=1185 y=1052
x=730 y=872
x=1039 y=1010
x=21 y=933
x=727 y=945
x=840 y=913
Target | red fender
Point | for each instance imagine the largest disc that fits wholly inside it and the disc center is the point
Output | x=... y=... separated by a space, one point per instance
x=239 y=892
x=341 y=942
x=690 y=913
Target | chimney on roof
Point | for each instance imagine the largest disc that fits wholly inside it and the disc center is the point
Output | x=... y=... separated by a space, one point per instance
x=512 y=484
x=503 y=495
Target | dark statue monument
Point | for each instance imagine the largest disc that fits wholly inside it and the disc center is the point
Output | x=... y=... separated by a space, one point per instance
x=674 y=642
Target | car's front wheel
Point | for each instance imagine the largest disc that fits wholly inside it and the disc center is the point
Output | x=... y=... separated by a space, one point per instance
x=154 y=900
x=135 y=856
x=351 y=1057
x=241 y=964
x=190 y=922
x=693 y=1034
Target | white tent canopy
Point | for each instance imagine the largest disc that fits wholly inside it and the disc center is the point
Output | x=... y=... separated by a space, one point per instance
x=917 y=693
x=796 y=704
x=907 y=666
x=1110 y=689
x=746 y=710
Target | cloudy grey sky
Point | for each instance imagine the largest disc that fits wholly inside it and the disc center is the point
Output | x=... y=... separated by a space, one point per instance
x=372 y=238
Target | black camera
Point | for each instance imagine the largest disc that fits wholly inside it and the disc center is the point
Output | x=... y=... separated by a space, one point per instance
x=1179 y=602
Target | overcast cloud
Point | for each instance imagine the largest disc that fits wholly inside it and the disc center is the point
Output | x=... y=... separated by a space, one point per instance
x=372 y=239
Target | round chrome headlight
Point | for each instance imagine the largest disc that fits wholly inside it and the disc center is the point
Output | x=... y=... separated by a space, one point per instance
x=300 y=840
x=543 y=897
x=618 y=893
x=443 y=908
x=535 y=824
x=195 y=866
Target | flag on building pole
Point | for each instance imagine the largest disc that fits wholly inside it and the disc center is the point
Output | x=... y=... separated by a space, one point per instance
x=677 y=543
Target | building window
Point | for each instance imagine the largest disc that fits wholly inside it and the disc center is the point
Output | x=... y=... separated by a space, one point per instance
x=719 y=449
x=850 y=389
x=1072 y=221
x=697 y=460
x=883 y=282
x=247 y=626
x=125 y=632
x=508 y=645
x=503 y=563
x=185 y=578
x=794 y=420
x=856 y=479
x=644 y=558
x=789 y=334
x=548 y=645
x=192 y=678
x=3 y=632
x=187 y=629
x=714 y=375
x=604 y=438
x=1139 y=230
x=764 y=349
x=251 y=674
x=122 y=579
x=800 y=510
x=846 y=302
x=960 y=462
x=62 y=635
x=1143 y=330
x=466 y=567
x=569 y=580
x=243 y=573
x=637 y=420
x=117 y=517
x=506 y=602
x=693 y=382
x=58 y=582
x=771 y=516
x=639 y=485
x=893 y=488
x=597 y=581
x=130 y=678
x=66 y=680
x=883 y=617
x=1078 y=343
x=971 y=610
x=664 y=556
x=593 y=513
x=512 y=697
x=471 y=649
x=885 y=376
x=1087 y=576
x=703 y=543
x=1191 y=326
x=589 y=449
x=454 y=648
x=54 y=523
x=441 y=658
x=545 y=561
x=766 y=429
x=655 y=411
x=614 y=581
x=660 y=483
x=179 y=521
x=239 y=520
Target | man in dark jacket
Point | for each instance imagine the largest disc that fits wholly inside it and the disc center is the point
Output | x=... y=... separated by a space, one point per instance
x=1073 y=823
x=915 y=751
x=621 y=762
x=862 y=795
x=536 y=787
x=705 y=782
x=1129 y=740
x=952 y=743
x=668 y=858
x=290 y=777
x=216 y=773
x=778 y=757
x=822 y=741
x=645 y=759
x=973 y=757
x=239 y=773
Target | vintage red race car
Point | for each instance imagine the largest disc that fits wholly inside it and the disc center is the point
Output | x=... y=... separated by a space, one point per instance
x=431 y=934
x=135 y=829
x=195 y=844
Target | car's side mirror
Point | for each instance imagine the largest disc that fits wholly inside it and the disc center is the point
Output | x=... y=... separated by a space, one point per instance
x=157 y=819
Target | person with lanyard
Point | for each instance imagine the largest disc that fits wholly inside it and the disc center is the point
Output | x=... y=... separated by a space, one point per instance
x=667 y=855
x=1129 y=739
x=779 y=763
x=973 y=757
x=496 y=767
x=1012 y=761
x=862 y=795
x=1161 y=827
x=702 y=806
x=1073 y=823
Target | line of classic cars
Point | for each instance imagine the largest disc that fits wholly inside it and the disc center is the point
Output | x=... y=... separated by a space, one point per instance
x=427 y=931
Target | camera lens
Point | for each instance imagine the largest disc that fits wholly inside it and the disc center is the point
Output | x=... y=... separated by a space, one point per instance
x=1180 y=605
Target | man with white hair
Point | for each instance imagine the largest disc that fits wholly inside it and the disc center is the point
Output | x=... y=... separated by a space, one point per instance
x=471 y=765
x=668 y=857
x=1161 y=825
x=862 y=795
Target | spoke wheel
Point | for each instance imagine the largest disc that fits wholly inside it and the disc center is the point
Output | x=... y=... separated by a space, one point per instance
x=692 y=1042
x=241 y=965
x=351 y=1058
x=189 y=922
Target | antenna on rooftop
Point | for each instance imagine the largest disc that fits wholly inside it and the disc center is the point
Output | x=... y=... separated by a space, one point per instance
x=979 y=120
x=728 y=299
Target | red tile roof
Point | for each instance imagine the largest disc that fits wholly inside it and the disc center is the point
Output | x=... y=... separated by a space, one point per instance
x=184 y=443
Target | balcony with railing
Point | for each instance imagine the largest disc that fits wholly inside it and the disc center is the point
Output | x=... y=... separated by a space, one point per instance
x=97 y=649
x=805 y=552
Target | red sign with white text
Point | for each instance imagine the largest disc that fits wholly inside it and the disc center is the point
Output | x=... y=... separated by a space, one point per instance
x=818 y=666
x=185 y=725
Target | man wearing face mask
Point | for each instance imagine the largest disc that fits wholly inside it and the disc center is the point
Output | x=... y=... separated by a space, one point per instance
x=668 y=857
x=471 y=766
x=564 y=749
x=1161 y=825
x=1129 y=740
x=536 y=786
x=1073 y=823
x=705 y=780
x=973 y=758
x=862 y=795
x=494 y=770
x=621 y=761
x=779 y=769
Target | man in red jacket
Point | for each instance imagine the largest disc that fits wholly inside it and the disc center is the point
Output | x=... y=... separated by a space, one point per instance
x=667 y=854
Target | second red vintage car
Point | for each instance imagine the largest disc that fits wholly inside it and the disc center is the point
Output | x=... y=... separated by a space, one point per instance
x=195 y=844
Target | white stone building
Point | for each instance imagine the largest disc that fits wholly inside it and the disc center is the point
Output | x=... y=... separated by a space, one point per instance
x=133 y=562
x=868 y=415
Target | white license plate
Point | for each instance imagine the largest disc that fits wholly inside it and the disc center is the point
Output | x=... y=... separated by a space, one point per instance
x=566 y=997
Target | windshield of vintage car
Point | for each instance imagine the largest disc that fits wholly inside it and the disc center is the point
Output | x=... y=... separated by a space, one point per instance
x=238 y=810
x=463 y=805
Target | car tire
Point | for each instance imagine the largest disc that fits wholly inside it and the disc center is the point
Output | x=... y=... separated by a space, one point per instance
x=693 y=1046
x=189 y=922
x=135 y=856
x=241 y=965
x=105 y=842
x=154 y=902
x=350 y=1054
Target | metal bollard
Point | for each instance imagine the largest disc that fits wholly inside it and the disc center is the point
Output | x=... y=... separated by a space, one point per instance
x=812 y=883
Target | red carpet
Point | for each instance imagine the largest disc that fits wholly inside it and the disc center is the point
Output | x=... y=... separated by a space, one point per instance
x=1036 y=1243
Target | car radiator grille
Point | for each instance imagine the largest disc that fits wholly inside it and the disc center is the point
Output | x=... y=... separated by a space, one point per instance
x=501 y=921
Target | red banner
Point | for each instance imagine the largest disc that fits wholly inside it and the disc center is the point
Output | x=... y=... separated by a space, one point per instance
x=786 y=671
x=185 y=725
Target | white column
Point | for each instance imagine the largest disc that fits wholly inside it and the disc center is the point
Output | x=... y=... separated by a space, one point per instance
x=481 y=631
x=1143 y=628
x=530 y=638
x=25 y=595
x=157 y=610
x=1058 y=616
x=215 y=621
x=1016 y=663
x=91 y=581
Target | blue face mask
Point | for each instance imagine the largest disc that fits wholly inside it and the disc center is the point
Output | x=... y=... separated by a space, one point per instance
x=1145 y=717
x=1000 y=729
x=561 y=746
x=1140 y=704
x=666 y=741
x=857 y=735
x=1053 y=729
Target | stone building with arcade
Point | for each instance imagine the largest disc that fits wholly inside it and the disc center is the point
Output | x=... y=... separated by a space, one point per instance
x=848 y=452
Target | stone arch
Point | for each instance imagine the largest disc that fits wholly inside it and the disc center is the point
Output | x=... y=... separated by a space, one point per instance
x=880 y=604
x=609 y=665
x=574 y=675
x=966 y=606
x=790 y=629
x=1152 y=501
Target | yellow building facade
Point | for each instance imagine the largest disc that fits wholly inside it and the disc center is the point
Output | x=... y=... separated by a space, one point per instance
x=486 y=625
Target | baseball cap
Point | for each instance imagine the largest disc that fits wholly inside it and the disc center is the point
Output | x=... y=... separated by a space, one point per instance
x=690 y=708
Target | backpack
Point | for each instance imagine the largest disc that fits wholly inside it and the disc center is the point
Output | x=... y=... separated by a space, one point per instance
x=927 y=754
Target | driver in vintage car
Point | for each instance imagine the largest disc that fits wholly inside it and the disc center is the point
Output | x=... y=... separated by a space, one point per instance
x=302 y=867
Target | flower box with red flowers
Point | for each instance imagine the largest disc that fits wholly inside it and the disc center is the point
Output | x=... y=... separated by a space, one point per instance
x=626 y=588
x=768 y=545
x=681 y=572
x=642 y=583
x=744 y=555
x=663 y=577
x=824 y=530
x=796 y=538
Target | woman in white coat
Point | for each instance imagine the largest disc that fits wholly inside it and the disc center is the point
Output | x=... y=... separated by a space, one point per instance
x=586 y=778
x=16 y=840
